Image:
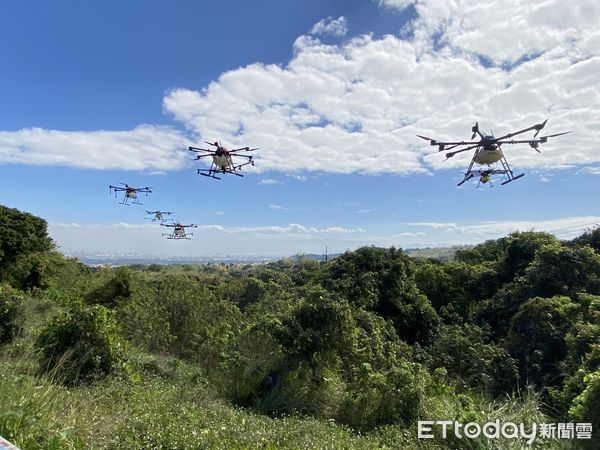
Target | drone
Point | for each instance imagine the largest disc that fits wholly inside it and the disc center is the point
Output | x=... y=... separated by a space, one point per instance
x=488 y=152
x=222 y=159
x=178 y=230
x=158 y=215
x=130 y=192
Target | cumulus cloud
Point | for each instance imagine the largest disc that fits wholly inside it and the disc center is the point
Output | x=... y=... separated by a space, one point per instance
x=357 y=106
x=396 y=4
x=334 y=27
x=146 y=147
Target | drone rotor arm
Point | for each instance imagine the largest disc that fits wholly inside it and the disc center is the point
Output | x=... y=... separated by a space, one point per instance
x=451 y=154
x=537 y=127
x=198 y=149
x=518 y=141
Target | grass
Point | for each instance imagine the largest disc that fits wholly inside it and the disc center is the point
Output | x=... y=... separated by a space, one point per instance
x=168 y=403
x=172 y=406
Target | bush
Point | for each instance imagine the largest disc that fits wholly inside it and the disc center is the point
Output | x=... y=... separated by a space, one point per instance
x=380 y=398
x=115 y=291
x=9 y=307
x=585 y=406
x=81 y=344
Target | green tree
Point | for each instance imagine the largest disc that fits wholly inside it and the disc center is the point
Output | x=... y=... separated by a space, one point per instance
x=81 y=344
x=382 y=280
x=472 y=363
x=116 y=290
x=537 y=338
x=521 y=249
x=317 y=329
x=22 y=236
x=561 y=270
x=585 y=407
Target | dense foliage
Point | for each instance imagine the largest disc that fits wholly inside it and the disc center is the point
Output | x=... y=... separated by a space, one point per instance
x=251 y=355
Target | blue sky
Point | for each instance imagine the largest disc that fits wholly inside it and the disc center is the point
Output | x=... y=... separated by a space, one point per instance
x=333 y=92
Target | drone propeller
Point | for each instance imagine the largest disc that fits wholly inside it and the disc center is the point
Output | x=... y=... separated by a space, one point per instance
x=539 y=127
x=475 y=130
x=432 y=141
x=214 y=144
x=545 y=138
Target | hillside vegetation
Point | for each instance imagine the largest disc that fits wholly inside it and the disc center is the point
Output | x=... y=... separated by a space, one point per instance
x=299 y=353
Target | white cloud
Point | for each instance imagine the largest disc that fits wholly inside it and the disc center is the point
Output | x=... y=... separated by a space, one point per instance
x=266 y=181
x=357 y=106
x=507 y=31
x=278 y=207
x=433 y=224
x=396 y=4
x=298 y=177
x=334 y=27
x=146 y=147
x=494 y=229
x=124 y=238
x=285 y=239
x=591 y=170
x=409 y=234
x=364 y=211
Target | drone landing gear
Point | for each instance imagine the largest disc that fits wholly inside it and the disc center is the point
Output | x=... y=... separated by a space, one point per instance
x=212 y=175
x=511 y=178
x=468 y=176
x=508 y=171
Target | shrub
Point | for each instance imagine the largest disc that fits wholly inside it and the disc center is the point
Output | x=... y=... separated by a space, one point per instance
x=9 y=307
x=585 y=406
x=115 y=291
x=380 y=398
x=81 y=344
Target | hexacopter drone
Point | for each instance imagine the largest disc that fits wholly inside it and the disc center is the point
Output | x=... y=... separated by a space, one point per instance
x=178 y=230
x=159 y=216
x=130 y=192
x=222 y=159
x=488 y=152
